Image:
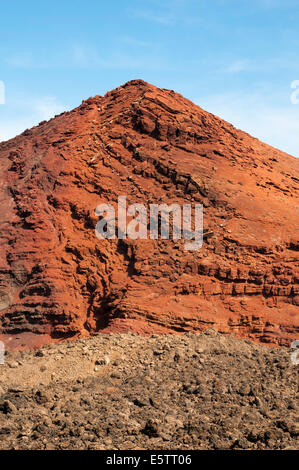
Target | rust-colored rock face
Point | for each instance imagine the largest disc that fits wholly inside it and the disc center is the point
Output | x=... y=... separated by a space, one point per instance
x=57 y=280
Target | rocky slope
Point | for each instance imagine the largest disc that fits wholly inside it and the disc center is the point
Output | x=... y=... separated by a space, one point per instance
x=124 y=391
x=57 y=280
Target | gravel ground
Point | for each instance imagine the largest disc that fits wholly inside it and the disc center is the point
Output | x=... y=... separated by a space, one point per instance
x=123 y=391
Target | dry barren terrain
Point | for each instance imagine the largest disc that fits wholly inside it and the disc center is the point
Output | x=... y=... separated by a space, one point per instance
x=123 y=391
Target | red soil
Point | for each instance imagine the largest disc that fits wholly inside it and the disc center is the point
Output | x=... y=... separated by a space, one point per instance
x=58 y=281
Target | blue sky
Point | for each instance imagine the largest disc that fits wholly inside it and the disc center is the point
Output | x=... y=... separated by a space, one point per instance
x=235 y=58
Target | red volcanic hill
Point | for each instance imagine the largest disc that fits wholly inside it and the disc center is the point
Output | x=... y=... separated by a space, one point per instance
x=57 y=280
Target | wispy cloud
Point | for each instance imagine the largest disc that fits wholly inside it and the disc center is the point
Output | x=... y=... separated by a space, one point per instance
x=163 y=19
x=28 y=113
x=132 y=41
x=260 y=66
x=166 y=13
x=277 y=125
x=278 y=3
x=239 y=66
x=20 y=61
x=87 y=56
x=48 y=107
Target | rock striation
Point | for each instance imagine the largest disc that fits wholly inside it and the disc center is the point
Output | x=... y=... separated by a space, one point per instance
x=58 y=281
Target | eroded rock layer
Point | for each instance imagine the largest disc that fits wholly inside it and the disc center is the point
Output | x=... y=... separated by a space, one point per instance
x=57 y=280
